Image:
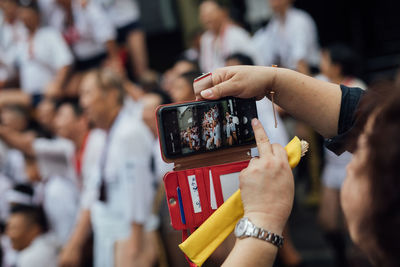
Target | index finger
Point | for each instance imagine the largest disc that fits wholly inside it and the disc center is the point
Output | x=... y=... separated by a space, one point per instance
x=263 y=144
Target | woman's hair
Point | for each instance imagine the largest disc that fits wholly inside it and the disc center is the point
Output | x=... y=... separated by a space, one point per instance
x=382 y=165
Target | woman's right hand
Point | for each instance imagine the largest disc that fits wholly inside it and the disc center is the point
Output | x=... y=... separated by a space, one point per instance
x=267 y=185
x=237 y=81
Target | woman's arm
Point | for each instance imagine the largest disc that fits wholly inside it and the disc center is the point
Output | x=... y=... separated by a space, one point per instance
x=310 y=100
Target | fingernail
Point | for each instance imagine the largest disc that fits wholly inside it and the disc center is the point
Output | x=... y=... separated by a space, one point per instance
x=207 y=93
x=254 y=122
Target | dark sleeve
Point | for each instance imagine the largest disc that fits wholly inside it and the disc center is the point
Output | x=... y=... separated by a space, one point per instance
x=351 y=97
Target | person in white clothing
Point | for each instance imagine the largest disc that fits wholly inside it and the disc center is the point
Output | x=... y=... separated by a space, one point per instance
x=290 y=39
x=125 y=16
x=89 y=33
x=338 y=65
x=12 y=31
x=43 y=60
x=153 y=246
x=222 y=37
x=123 y=177
x=26 y=229
x=60 y=163
x=16 y=118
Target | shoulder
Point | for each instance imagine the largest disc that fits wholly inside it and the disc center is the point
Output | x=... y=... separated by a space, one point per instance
x=96 y=137
x=132 y=132
x=238 y=32
x=39 y=254
x=300 y=16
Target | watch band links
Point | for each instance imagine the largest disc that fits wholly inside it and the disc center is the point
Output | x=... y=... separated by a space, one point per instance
x=263 y=234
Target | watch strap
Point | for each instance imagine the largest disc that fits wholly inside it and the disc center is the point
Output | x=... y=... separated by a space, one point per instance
x=264 y=235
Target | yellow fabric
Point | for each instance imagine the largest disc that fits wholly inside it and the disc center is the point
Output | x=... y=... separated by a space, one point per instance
x=202 y=243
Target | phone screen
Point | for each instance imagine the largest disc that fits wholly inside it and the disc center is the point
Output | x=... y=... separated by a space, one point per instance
x=199 y=127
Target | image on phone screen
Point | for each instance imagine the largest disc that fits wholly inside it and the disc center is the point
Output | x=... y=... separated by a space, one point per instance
x=207 y=126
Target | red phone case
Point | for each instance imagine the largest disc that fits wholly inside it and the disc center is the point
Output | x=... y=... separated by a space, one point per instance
x=198 y=168
x=179 y=179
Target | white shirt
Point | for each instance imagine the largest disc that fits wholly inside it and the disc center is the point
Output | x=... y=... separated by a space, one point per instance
x=90 y=163
x=129 y=191
x=286 y=43
x=41 y=58
x=10 y=36
x=161 y=167
x=61 y=199
x=40 y=253
x=215 y=49
x=10 y=255
x=266 y=116
x=55 y=159
x=5 y=185
x=92 y=28
x=15 y=166
x=121 y=12
x=257 y=11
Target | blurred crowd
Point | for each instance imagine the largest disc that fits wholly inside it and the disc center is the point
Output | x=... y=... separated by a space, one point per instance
x=80 y=164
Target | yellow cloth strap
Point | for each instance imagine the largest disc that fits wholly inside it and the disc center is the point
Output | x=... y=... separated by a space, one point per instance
x=203 y=242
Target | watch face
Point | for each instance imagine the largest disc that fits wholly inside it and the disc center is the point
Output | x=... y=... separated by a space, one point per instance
x=240 y=228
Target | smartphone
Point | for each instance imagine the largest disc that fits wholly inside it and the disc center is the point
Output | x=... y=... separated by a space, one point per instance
x=203 y=126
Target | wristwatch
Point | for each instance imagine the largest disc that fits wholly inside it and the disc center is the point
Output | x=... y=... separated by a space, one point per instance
x=245 y=228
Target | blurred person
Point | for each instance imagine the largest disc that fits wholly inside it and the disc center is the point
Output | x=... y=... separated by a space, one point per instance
x=44 y=116
x=258 y=13
x=182 y=88
x=125 y=16
x=79 y=22
x=151 y=101
x=122 y=179
x=12 y=172
x=5 y=258
x=26 y=228
x=44 y=60
x=155 y=249
x=337 y=65
x=19 y=194
x=12 y=31
x=222 y=37
x=16 y=118
x=61 y=162
x=54 y=190
x=290 y=39
x=180 y=66
x=75 y=251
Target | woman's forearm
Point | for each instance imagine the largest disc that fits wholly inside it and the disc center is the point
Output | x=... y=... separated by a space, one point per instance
x=310 y=100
